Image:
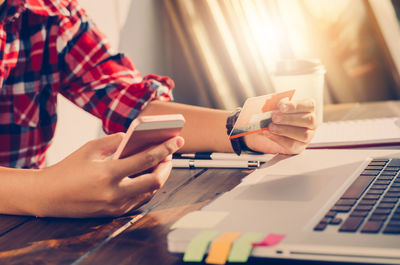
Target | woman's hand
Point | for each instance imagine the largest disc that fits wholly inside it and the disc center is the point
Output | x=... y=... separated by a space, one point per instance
x=88 y=184
x=292 y=128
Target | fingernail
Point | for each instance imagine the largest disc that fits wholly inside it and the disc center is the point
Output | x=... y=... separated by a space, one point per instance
x=179 y=141
x=283 y=108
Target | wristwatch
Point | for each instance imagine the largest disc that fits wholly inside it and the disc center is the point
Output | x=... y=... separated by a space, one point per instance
x=238 y=143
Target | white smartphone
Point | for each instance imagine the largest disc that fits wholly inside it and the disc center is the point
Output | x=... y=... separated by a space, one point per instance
x=147 y=131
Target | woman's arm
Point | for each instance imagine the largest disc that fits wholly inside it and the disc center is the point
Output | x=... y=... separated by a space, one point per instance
x=87 y=183
x=290 y=132
x=204 y=128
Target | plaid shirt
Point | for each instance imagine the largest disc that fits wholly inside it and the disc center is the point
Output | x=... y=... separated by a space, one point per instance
x=49 y=47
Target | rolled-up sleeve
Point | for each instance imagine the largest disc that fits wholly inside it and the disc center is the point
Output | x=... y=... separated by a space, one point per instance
x=105 y=84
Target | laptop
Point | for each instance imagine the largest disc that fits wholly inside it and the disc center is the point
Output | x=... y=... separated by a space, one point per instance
x=331 y=205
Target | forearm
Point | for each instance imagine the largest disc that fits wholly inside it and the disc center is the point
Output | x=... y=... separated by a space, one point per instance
x=18 y=191
x=204 y=128
x=87 y=183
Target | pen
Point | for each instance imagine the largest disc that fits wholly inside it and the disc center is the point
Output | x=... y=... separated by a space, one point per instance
x=226 y=156
x=204 y=163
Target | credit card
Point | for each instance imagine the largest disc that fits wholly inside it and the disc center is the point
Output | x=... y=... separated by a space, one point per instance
x=257 y=112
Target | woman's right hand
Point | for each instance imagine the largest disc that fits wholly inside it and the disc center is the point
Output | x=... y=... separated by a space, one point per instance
x=88 y=184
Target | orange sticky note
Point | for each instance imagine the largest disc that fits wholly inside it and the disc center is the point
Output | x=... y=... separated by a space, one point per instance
x=220 y=247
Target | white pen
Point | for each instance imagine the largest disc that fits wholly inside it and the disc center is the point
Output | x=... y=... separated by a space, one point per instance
x=204 y=163
x=228 y=156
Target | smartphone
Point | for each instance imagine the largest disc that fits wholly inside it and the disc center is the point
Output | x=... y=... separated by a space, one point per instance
x=147 y=131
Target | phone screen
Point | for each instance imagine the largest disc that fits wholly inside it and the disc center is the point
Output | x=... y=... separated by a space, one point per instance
x=147 y=131
x=143 y=139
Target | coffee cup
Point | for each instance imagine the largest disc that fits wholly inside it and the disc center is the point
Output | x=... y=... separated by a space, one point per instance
x=307 y=76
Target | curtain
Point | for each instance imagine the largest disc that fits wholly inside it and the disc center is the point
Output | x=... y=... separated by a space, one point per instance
x=346 y=39
x=224 y=51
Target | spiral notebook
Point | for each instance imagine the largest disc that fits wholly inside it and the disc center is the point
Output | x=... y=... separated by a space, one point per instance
x=357 y=133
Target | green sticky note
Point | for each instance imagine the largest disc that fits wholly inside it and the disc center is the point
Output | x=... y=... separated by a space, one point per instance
x=242 y=247
x=198 y=246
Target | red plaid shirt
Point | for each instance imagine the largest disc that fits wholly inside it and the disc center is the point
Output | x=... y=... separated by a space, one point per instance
x=49 y=47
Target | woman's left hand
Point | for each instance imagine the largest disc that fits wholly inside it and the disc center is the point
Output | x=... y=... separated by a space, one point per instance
x=292 y=128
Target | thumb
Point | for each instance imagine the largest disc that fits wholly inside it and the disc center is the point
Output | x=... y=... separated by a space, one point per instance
x=145 y=159
x=105 y=146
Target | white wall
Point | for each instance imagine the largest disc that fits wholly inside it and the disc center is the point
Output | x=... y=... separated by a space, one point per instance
x=75 y=126
x=142 y=36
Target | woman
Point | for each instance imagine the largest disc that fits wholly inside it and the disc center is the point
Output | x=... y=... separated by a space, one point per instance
x=50 y=47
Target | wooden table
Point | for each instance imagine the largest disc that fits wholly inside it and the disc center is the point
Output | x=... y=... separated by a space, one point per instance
x=141 y=237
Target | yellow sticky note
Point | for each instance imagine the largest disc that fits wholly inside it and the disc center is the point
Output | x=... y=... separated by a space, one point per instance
x=220 y=248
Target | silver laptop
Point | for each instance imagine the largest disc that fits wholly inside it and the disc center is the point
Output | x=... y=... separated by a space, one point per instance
x=331 y=205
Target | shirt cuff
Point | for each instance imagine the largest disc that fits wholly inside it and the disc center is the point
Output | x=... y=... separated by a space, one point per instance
x=161 y=85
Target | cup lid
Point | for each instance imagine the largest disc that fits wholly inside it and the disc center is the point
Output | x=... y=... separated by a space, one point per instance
x=298 y=66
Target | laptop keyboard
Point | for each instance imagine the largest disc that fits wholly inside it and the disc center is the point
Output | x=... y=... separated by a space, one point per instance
x=371 y=203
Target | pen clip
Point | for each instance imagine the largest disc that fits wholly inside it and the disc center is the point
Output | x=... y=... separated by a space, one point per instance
x=254 y=164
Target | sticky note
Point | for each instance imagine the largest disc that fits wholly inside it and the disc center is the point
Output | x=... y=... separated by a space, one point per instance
x=220 y=247
x=200 y=219
x=242 y=247
x=269 y=241
x=198 y=246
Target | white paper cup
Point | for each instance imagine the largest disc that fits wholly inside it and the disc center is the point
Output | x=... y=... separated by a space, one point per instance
x=306 y=76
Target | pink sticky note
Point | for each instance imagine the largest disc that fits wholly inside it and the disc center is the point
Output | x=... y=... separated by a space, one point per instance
x=269 y=241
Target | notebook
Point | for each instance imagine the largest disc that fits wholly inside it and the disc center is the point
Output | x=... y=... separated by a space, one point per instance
x=330 y=205
x=357 y=133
